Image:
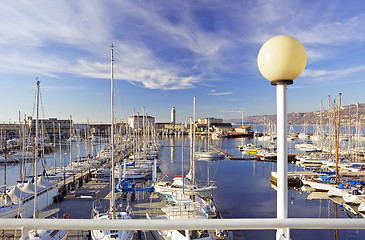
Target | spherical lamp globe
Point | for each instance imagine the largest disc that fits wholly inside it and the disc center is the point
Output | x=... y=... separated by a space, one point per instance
x=282 y=59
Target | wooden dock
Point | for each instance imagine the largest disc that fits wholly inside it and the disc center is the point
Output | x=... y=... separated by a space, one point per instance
x=294 y=177
x=230 y=156
x=291 y=157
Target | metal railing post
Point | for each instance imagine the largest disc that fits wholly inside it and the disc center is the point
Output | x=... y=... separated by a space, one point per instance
x=25 y=233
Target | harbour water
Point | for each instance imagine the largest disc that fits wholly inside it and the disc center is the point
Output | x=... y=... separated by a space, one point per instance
x=244 y=188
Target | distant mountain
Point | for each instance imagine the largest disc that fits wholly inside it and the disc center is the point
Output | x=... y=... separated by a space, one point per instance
x=346 y=113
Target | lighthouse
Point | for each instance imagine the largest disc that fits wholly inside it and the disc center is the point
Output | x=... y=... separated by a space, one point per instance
x=173 y=115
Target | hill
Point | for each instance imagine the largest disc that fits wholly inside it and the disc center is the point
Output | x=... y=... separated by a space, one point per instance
x=346 y=113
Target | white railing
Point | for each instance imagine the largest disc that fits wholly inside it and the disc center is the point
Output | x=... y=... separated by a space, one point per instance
x=193 y=224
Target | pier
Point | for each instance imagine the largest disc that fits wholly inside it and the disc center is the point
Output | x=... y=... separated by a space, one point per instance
x=294 y=177
x=291 y=157
x=230 y=156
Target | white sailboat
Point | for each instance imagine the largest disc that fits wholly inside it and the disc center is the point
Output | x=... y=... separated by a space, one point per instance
x=354 y=196
x=186 y=205
x=8 y=207
x=209 y=154
x=184 y=208
x=361 y=207
x=181 y=183
x=111 y=214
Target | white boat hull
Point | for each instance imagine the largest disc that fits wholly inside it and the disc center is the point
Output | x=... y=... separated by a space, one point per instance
x=47 y=234
x=11 y=211
x=203 y=192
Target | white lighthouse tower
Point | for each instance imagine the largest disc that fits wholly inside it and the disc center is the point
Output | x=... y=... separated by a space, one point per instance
x=173 y=115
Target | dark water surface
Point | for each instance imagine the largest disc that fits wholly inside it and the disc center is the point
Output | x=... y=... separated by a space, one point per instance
x=244 y=189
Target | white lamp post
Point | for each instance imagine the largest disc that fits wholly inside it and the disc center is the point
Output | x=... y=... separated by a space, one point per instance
x=281 y=60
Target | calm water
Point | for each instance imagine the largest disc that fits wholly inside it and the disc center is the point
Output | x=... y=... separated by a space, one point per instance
x=244 y=188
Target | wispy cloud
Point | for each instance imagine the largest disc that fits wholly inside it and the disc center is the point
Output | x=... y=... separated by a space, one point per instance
x=82 y=28
x=220 y=93
x=336 y=32
x=322 y=74
x=163 y=46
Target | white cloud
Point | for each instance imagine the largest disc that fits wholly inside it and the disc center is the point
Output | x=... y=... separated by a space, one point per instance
x=84 y=30
x=336 y=32
x=220 y=93
x=322 y=74
x=159 y=45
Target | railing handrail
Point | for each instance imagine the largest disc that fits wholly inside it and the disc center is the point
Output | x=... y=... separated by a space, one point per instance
x=176 y=224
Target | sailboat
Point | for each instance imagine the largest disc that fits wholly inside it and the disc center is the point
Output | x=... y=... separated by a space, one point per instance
x=326 y=183
x=186 y=184
x=187 y=205
x=129 y=171
x=209 y=154
x=184 y=208
x=41 y=234
x=111 y=214
x=8 y=207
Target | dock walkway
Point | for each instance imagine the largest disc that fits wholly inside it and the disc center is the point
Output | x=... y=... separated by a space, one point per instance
x=230 y=156
x=79 y=205
x=294 y=177
x=291 y=157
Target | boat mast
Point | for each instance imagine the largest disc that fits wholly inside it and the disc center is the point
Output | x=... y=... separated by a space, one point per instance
x=357 y=131
x=329 y=125
x=208 y=147
x=5 y=150
x=35 y=212
x=338 y=134
x=144 y=134
x=71 y=137
x=112 y=199
x=320 y=125
x=54 y=146
x=20 y=138
x=182 y=157
x=193 y=158
x=191 y=147
x=242 y=119
x=24 y=148
x=59 y=145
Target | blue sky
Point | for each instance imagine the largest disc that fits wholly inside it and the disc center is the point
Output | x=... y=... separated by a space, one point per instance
x=168 y=51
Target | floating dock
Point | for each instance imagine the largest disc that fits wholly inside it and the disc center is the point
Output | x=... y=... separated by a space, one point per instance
x=294 y=177
x=291 y=157
x=230 y=156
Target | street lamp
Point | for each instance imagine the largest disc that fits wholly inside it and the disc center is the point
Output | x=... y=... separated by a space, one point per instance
x=281 y=60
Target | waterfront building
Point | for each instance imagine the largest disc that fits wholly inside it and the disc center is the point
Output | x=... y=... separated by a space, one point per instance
x=211 y=120
x=136 y=121
x=170 y=128
x=49 y=125
x=221 y=127
x=243 y=129
x=11 y=129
